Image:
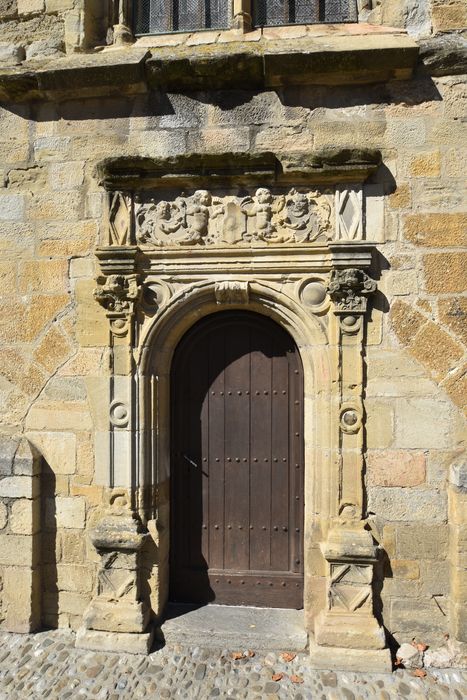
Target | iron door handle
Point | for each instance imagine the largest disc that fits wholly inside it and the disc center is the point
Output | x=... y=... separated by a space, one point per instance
x=190 y=461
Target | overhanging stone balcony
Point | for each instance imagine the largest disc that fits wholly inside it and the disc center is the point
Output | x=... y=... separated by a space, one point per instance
x=315 y=55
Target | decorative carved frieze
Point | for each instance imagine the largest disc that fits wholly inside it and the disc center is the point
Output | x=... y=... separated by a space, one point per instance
x=261 y=219
x=349 y=290
x=118 y=293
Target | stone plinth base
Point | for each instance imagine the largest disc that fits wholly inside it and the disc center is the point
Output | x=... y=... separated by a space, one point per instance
x=120 y=642
x=342 y=659
x=350 y=631
x=119 y=616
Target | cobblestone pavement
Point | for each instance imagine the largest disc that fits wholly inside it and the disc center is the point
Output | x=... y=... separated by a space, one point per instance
x=47 y=665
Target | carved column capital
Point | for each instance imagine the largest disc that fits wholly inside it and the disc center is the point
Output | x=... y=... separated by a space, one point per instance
x=349 y=289
x=118 y=293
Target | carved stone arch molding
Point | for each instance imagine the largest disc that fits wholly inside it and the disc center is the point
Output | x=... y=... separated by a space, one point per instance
x=187 y=237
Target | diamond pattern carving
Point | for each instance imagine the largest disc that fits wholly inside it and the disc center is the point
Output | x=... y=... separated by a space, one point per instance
x=119 y=219
x=350 y=587
x=349 y=218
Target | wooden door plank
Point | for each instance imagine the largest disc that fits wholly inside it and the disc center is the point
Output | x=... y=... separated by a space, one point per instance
x=280 y=459
x=260 y=471
x=215 y=517
x=237 y=440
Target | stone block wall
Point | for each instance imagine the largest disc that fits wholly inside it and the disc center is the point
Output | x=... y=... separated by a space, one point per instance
x=54 y=338
x=20 y=525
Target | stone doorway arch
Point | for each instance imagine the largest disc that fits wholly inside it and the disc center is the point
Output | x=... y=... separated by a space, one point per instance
x=159 y=276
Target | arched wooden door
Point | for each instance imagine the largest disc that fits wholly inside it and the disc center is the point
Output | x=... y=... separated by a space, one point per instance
x=237 y=464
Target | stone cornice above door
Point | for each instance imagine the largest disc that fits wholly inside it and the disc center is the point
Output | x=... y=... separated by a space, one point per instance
x=328 y=165
x=339 y=55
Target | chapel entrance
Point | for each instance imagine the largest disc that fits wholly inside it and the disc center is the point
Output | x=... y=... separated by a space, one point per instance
x=237 y=464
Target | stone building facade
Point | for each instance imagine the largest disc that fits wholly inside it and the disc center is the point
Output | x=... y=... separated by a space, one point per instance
x=313 y=174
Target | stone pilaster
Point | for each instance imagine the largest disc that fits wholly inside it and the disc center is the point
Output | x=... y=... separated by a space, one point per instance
x=347 y=632
x=118 y=618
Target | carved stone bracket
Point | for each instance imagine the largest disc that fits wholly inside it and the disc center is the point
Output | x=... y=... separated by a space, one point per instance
x=118 y=293
x=349 y=290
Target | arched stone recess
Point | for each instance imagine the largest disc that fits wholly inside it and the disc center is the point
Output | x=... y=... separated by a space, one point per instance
x=295 y=254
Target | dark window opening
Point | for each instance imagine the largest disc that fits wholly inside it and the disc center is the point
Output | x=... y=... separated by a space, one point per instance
x=160 y=16
x=277 y=12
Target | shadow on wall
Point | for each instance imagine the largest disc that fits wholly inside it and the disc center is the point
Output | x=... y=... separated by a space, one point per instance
x=168 y=106
x=48 y=545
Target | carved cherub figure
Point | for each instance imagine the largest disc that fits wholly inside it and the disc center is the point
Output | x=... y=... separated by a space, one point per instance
x=199 y=210
x=263 y=207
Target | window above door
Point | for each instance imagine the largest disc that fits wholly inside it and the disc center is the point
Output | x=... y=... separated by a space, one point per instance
x=164 y=16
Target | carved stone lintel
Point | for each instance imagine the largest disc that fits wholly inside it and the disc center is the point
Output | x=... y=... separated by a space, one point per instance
x=349 y=290
x=231 y=292
x=118 y=293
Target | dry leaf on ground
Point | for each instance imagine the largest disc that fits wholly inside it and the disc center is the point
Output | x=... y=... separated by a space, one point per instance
x=236 y=655
x=296 y=679
x=277 y=677
x=251 y=653
x=419 y=673
x=287 y=656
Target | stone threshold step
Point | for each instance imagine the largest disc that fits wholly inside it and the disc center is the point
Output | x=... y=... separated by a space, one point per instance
x=235 y=628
